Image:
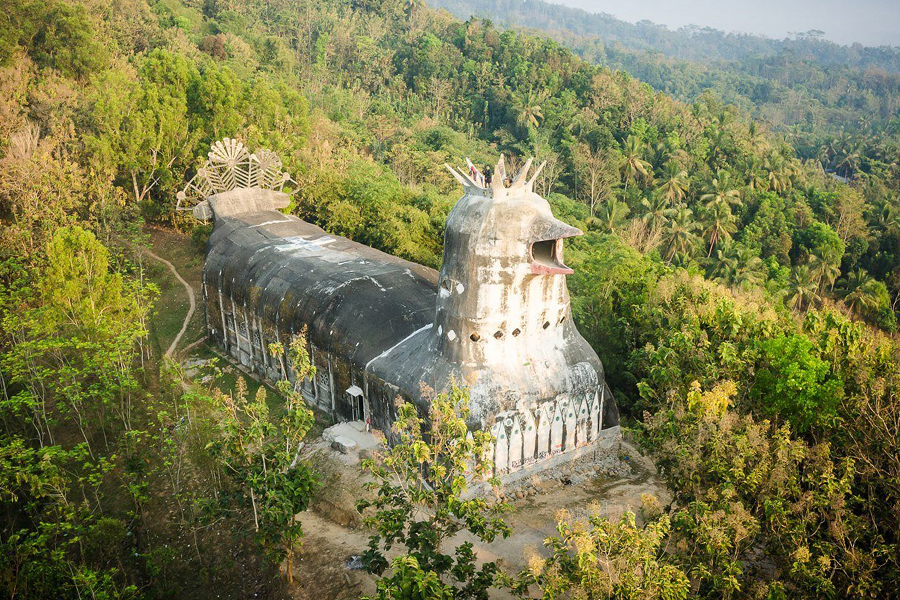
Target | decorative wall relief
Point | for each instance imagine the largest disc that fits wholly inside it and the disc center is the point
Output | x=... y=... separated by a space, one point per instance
x=501 y=449
x=515 y=445
x=570 y=426
x=581 y=429
x=545 y=420
x=556 y=428
x=529 y=438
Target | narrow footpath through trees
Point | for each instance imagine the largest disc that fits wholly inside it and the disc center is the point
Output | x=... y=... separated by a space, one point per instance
x=191 y=298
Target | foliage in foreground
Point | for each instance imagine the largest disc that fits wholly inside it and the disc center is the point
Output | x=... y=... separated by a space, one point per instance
x=603 y=558
x=762 y=512
x=262 y=454
x=715 y=230
x=422 y=500
x=69 y=387
x=776 y=435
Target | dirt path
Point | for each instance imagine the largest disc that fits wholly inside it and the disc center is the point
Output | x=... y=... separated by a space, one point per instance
x=191 y=298
x=320 y=568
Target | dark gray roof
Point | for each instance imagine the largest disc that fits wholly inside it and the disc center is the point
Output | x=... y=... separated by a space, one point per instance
x=356 y=300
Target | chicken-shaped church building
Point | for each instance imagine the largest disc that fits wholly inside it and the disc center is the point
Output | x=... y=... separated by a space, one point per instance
x=496 y=318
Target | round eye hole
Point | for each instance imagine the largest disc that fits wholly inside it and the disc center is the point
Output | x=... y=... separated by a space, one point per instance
x=546 y=324
x=474 y=337
x=498 y=335
x=516 y=332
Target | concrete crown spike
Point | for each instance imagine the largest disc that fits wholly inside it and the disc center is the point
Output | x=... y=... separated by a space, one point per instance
x=457 y=175
x=530 y=184
x=523 y=172
x=464 y=178
x=499 y=175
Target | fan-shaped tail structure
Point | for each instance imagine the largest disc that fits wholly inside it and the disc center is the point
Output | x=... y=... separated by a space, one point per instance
x=231 y=166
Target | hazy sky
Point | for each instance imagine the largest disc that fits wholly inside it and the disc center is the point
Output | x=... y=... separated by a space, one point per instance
x=870 y=22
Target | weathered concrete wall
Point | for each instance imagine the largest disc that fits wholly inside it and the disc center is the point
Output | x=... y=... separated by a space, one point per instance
x=269 y=275
x=496 y=319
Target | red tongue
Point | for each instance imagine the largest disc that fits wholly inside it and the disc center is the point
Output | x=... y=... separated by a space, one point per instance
x=539 y=269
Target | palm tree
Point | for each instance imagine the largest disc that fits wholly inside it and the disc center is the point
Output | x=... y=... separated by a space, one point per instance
x=530 y=112
x=633 y=166
x=411 y=7
x=719 y=224
x=849 y=154
x=756 y=176
x=720 y=191
x=612 y=214
x=779 y=172
x=825 y=272
x=750 y=277
x=657 y=211
x=675 y=183
x=718 y=140
x=738 y=265
x=661 y=153
x=858 y=290
x=848 y=163
x=887 y=217
x=680 y=234
x=726 y=268
x=804 y=288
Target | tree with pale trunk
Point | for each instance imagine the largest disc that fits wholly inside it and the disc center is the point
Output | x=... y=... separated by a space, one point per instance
x=262 y=453
x=598 y=175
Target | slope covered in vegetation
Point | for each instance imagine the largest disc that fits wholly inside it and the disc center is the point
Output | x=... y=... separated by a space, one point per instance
x=837 y=104
x=742 y=299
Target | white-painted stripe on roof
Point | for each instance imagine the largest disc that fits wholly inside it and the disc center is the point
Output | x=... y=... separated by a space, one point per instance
x=270 y=223
x=389 y=350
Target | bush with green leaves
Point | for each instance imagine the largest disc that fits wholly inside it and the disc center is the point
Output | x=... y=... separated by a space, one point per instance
x=793 y=383
x=58 y=35
x=422 y=499
x=758 y=510
x=70 y=332
x=604 y=558
x=261 y=453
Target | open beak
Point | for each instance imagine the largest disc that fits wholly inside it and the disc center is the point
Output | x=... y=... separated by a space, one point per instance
x=547 y=258
x=547 y=249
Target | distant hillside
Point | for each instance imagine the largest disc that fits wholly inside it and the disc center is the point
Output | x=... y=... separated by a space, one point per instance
x=701 y=44
x=802 y=85
x=744 y=302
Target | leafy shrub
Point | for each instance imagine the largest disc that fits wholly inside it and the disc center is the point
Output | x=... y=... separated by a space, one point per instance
x=793 y=382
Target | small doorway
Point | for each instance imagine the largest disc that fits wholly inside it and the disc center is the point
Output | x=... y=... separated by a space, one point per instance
x=357 y=403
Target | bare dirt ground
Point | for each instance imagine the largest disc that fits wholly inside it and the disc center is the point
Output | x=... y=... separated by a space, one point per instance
x=322 y=572
x=333 y=533
x=533 y=519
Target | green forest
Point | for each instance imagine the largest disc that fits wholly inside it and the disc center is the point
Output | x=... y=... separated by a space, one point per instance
x=835 y=104
x=739 y=277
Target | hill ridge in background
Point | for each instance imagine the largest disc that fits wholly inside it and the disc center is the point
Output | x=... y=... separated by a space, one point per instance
x=692 y=42
x=808 y=87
